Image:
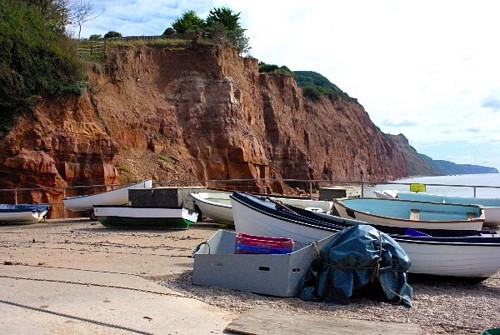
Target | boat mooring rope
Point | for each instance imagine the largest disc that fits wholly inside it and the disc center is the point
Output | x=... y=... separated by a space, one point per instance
x=74 y=317
x=92 y=284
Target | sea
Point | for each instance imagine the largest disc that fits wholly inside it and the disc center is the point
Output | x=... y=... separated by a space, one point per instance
x=467 y=185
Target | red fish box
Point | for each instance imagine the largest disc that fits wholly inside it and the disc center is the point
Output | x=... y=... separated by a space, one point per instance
x=254 y=244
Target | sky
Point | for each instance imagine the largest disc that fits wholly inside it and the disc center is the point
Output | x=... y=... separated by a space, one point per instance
x=427 y=69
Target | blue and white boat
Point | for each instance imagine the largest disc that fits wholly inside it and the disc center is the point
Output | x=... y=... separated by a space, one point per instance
x=23 y=214
x=473 y=256
x=491 y=206
x=411 y=214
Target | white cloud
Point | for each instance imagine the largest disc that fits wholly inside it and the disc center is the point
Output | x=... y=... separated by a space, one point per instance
x=492 y=101
x=427 y=69
x=140 y=17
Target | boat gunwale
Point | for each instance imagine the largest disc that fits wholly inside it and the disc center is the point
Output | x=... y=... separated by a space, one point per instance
x=480 y=218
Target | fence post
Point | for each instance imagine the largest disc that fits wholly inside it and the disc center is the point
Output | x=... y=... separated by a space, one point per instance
x=15 y=196
x=64 y=207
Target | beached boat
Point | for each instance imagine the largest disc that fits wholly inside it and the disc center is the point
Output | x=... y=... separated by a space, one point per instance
x=386 y=194
x=19 y=216
x=23 y=214
x=411 y=214
x=135 y=217
x=457 y=256
x=491 y=206
x=36 y=207
x=114 y=197
x=217 y=205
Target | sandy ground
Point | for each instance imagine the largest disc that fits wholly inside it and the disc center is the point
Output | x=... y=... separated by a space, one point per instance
x=77 y=277
x=83 y=253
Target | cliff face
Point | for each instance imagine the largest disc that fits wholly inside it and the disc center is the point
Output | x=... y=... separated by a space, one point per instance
x=417 y=164
x=197 y=114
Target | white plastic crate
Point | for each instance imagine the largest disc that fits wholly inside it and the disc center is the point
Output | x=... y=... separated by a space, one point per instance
x=216 y=264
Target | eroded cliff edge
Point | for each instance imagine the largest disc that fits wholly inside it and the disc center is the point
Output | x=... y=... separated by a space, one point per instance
x=192 y=114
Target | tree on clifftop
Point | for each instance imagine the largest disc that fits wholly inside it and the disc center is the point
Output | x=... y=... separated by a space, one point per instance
x=112 y=34
x=224 y=23
x=81 y=11
x=224 y=17
x=189 y=21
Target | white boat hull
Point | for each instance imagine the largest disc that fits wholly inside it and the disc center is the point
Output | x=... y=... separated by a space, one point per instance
x=216 y=206
x=147 y=217
x=21 y=217
x=137 y=212
x=109 y=198
x=427 y=257
x=452 y=259
x=491 y=216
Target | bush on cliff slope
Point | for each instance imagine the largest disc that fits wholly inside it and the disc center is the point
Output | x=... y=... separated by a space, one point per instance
x=272 y=68
x=315 y=85
x=36 y=60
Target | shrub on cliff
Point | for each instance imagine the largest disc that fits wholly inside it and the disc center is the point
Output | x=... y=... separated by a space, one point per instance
x=112 y=34
x=311 y=92
x=222 y=24
x=272 y=68
x=36 y=60
x=315 y=85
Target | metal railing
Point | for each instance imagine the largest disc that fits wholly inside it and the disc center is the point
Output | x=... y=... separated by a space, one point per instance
x=294 y=187
x=27 y=194
x=430 y=186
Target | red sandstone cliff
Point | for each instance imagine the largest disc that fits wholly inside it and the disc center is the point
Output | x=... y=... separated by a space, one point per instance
x=193 y=114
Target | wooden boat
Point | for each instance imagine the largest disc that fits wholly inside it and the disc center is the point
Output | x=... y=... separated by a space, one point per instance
x=114 y=197
x=457 y=256
x=135 y=217
x=411 y=214
x=22 y=214
x=217 y=205
x=491 y=206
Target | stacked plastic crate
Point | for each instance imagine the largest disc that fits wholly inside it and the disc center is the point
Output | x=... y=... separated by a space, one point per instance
x=254 y=244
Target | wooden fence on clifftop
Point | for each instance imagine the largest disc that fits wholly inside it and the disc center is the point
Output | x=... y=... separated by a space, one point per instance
x=92 y=50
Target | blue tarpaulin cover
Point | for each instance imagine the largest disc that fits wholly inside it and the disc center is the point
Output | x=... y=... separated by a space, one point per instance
x=358 y=259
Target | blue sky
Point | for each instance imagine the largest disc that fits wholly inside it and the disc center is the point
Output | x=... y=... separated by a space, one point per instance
x=428 y=69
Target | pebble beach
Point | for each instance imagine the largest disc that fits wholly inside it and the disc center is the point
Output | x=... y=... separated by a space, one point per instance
x=440 y=305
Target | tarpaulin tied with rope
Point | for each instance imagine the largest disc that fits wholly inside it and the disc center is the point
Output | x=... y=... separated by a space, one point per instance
x=358 y=261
